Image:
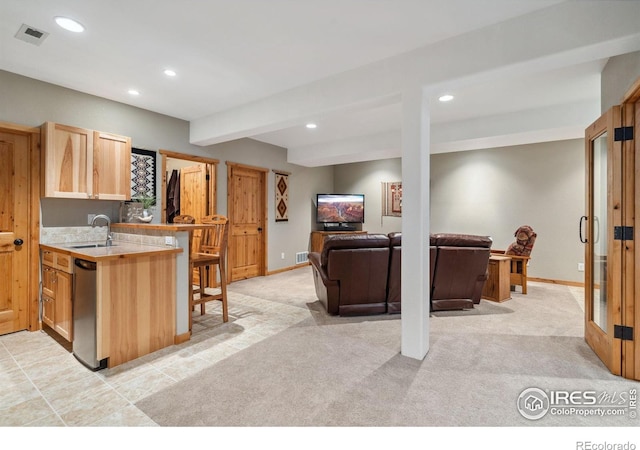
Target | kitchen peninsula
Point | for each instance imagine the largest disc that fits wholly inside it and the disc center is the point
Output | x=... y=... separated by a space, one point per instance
x=179 y=235
x=134 y=291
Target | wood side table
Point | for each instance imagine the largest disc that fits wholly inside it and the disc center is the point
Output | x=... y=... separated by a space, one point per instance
x=497 y=288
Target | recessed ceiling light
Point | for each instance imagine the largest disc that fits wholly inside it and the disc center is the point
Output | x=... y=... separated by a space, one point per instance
x=69 y=24
x=170 y=73
x=133 y=92
x=446 y=98
x=311 y=125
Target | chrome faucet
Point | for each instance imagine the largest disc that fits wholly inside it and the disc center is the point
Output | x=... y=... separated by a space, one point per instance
x=108 y=220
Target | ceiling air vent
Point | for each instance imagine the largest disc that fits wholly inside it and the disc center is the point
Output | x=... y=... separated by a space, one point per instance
x=31 y=35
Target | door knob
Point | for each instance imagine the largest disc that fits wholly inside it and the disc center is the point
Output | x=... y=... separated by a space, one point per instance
x=18 y=242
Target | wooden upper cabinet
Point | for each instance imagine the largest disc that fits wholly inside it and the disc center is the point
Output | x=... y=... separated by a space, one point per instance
x=111 y=166
x=68 y=152
x=86 y=164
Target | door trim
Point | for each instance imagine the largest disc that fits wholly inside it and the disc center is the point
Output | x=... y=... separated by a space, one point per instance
x=33 y=239
x=213 y=206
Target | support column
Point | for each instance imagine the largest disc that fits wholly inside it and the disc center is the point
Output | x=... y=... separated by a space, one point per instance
x=415 y=223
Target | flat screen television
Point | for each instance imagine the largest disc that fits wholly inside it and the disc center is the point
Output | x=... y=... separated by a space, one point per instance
x=340 y=208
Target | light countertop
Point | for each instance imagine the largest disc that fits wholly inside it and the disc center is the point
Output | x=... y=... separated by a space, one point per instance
x=162 y=226
x=118 y=250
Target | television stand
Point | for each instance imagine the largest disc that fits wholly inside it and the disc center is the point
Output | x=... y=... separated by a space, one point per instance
x=318 y=237
x=339 y=227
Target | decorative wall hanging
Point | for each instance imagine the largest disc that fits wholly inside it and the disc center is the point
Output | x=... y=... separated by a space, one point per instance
x=282 y=196
x=143 y=173
x=392 y=198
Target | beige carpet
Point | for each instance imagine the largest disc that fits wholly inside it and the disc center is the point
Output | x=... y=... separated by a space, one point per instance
x=332 y=371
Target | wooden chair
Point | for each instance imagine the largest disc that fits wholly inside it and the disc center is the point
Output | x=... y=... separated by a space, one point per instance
x=211 y=252
x=520 y=252
x=184 y=219
x=190 y=220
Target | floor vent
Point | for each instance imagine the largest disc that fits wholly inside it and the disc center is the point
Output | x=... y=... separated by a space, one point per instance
x=31 y=35
x=302 y=257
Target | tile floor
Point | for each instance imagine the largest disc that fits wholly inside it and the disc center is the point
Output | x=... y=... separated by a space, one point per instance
x=44 y=385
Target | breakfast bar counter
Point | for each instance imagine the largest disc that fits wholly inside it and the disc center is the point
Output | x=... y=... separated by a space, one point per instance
x=180 y=236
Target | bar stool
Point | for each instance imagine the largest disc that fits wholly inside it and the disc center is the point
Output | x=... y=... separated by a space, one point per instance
x=212 y=252
x=184 y=219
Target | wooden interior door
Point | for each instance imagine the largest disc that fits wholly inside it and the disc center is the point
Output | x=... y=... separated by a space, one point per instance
x=194 y=191
x=246 y=208
x=15 y=151
x=193 y=200
x=609 y=250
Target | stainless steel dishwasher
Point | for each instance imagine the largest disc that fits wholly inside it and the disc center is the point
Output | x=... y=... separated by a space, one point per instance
x=84 y=315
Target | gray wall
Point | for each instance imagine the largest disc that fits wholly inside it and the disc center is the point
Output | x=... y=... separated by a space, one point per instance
x=284 y=237
x=367 y=178
x=30 y=102
x=492 y=192
x=618 y=76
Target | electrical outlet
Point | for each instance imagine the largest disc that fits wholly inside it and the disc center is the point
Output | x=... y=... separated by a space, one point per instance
x=282 y=255
x=580 y=267
x=168 y=240
x=90 y=218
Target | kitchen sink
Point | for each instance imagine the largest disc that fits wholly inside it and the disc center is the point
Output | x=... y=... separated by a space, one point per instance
x=89 y=246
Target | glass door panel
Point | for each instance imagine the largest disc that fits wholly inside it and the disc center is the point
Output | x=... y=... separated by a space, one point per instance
x=603 y=254
x=599 y=262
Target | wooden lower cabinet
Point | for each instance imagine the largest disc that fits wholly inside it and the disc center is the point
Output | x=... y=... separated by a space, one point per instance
x=63 y=322
x=57 y=294
x=136 y=307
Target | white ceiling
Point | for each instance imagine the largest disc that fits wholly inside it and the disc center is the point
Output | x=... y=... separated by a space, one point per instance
x=235 y=55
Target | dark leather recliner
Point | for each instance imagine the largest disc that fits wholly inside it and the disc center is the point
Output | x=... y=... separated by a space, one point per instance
x=460 y=270
x=350 y=274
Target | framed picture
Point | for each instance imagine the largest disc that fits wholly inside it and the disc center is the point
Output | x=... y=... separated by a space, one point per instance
x=392 y=198
x=143 y=173
x=396 y=198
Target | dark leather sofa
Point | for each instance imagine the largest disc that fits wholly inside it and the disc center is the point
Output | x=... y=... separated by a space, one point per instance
x=361 y=274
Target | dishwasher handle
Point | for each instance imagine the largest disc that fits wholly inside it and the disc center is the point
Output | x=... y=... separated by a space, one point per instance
x=86 y=265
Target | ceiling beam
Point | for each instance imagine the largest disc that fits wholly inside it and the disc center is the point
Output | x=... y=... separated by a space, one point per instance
x=562 y=35
x=547 y=124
